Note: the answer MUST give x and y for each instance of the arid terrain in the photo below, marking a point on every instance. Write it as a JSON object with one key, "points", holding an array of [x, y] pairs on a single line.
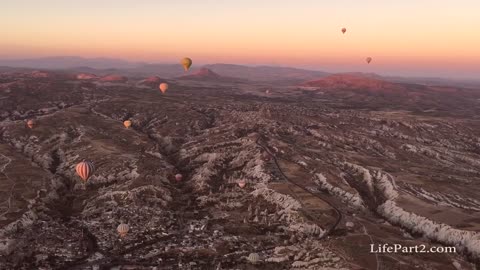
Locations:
{"points": [[332, 166]]}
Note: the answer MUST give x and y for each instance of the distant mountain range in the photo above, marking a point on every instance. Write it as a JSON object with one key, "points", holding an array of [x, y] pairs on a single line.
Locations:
{"points": [[355, 81], [206, 74], [267, 74], [106, 66]]}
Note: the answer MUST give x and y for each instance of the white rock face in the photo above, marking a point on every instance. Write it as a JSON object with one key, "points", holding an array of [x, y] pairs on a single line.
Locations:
{"points": [[349, 198], [284, 201], [465, 240]]}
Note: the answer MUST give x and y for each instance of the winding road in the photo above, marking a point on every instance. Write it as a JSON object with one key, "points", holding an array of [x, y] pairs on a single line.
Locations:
{"points": [[337, 211]]}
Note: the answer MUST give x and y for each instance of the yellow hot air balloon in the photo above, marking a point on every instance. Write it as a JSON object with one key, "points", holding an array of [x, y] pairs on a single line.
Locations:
{"points": [[85, 169], [344, 30], [163, 87], [123, 229], [30, 123], [369, 59], [186, 63], [127, 123]]}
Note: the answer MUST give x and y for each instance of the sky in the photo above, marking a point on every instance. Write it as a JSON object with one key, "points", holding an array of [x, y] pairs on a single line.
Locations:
{"points": [[407, 37]]}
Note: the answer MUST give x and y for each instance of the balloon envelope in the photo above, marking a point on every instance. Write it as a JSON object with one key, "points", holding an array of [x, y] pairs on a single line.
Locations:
{"points": [[163, 87], [369, 59], [253, 258], [178, 177], [85, 169], [123, 229], [186, 63], [242, 183], [344, 30], [127, 123], [30, 123]]}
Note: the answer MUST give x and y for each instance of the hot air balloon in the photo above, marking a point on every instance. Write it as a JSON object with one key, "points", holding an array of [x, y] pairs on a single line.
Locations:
{"points": [[123, 229], [266, 156], [186, 63], [163, 87], [85, 169], [127, 123], [178, 177], [253, 258], [267, 91], [344, 30], [30, 123], [369, 59], [242, 183]]}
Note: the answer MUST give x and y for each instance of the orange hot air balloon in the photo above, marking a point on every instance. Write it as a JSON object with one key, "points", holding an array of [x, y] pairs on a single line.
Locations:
{"points": [[85, 169], [344, 30], [186, 63], [369, 59], [163, 87], [178, 177], [123, 229], [242, 183], [127, 123], [30, 123]]}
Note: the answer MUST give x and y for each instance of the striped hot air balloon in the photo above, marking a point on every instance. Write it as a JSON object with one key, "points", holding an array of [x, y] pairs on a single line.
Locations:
{"points": [[123, 229], [30, 123], [253, 258], [85, 169]]}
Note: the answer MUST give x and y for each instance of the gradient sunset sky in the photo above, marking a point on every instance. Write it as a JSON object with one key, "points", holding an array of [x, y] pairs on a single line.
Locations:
{"points": [[404, 37]]}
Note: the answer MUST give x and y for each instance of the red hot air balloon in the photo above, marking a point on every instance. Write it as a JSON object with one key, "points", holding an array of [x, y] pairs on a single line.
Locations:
{"points": [[163, 87], [178, 177], [85, 169], [242, 183], [30, 123], [344, 30], [369, 59]]}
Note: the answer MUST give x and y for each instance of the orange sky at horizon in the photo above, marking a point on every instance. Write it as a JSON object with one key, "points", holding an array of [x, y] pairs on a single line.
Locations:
{"points": [[412, 35]]}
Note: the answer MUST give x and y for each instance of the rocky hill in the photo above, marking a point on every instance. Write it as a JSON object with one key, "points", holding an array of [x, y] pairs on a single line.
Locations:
{"points": [[292, 180]]}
